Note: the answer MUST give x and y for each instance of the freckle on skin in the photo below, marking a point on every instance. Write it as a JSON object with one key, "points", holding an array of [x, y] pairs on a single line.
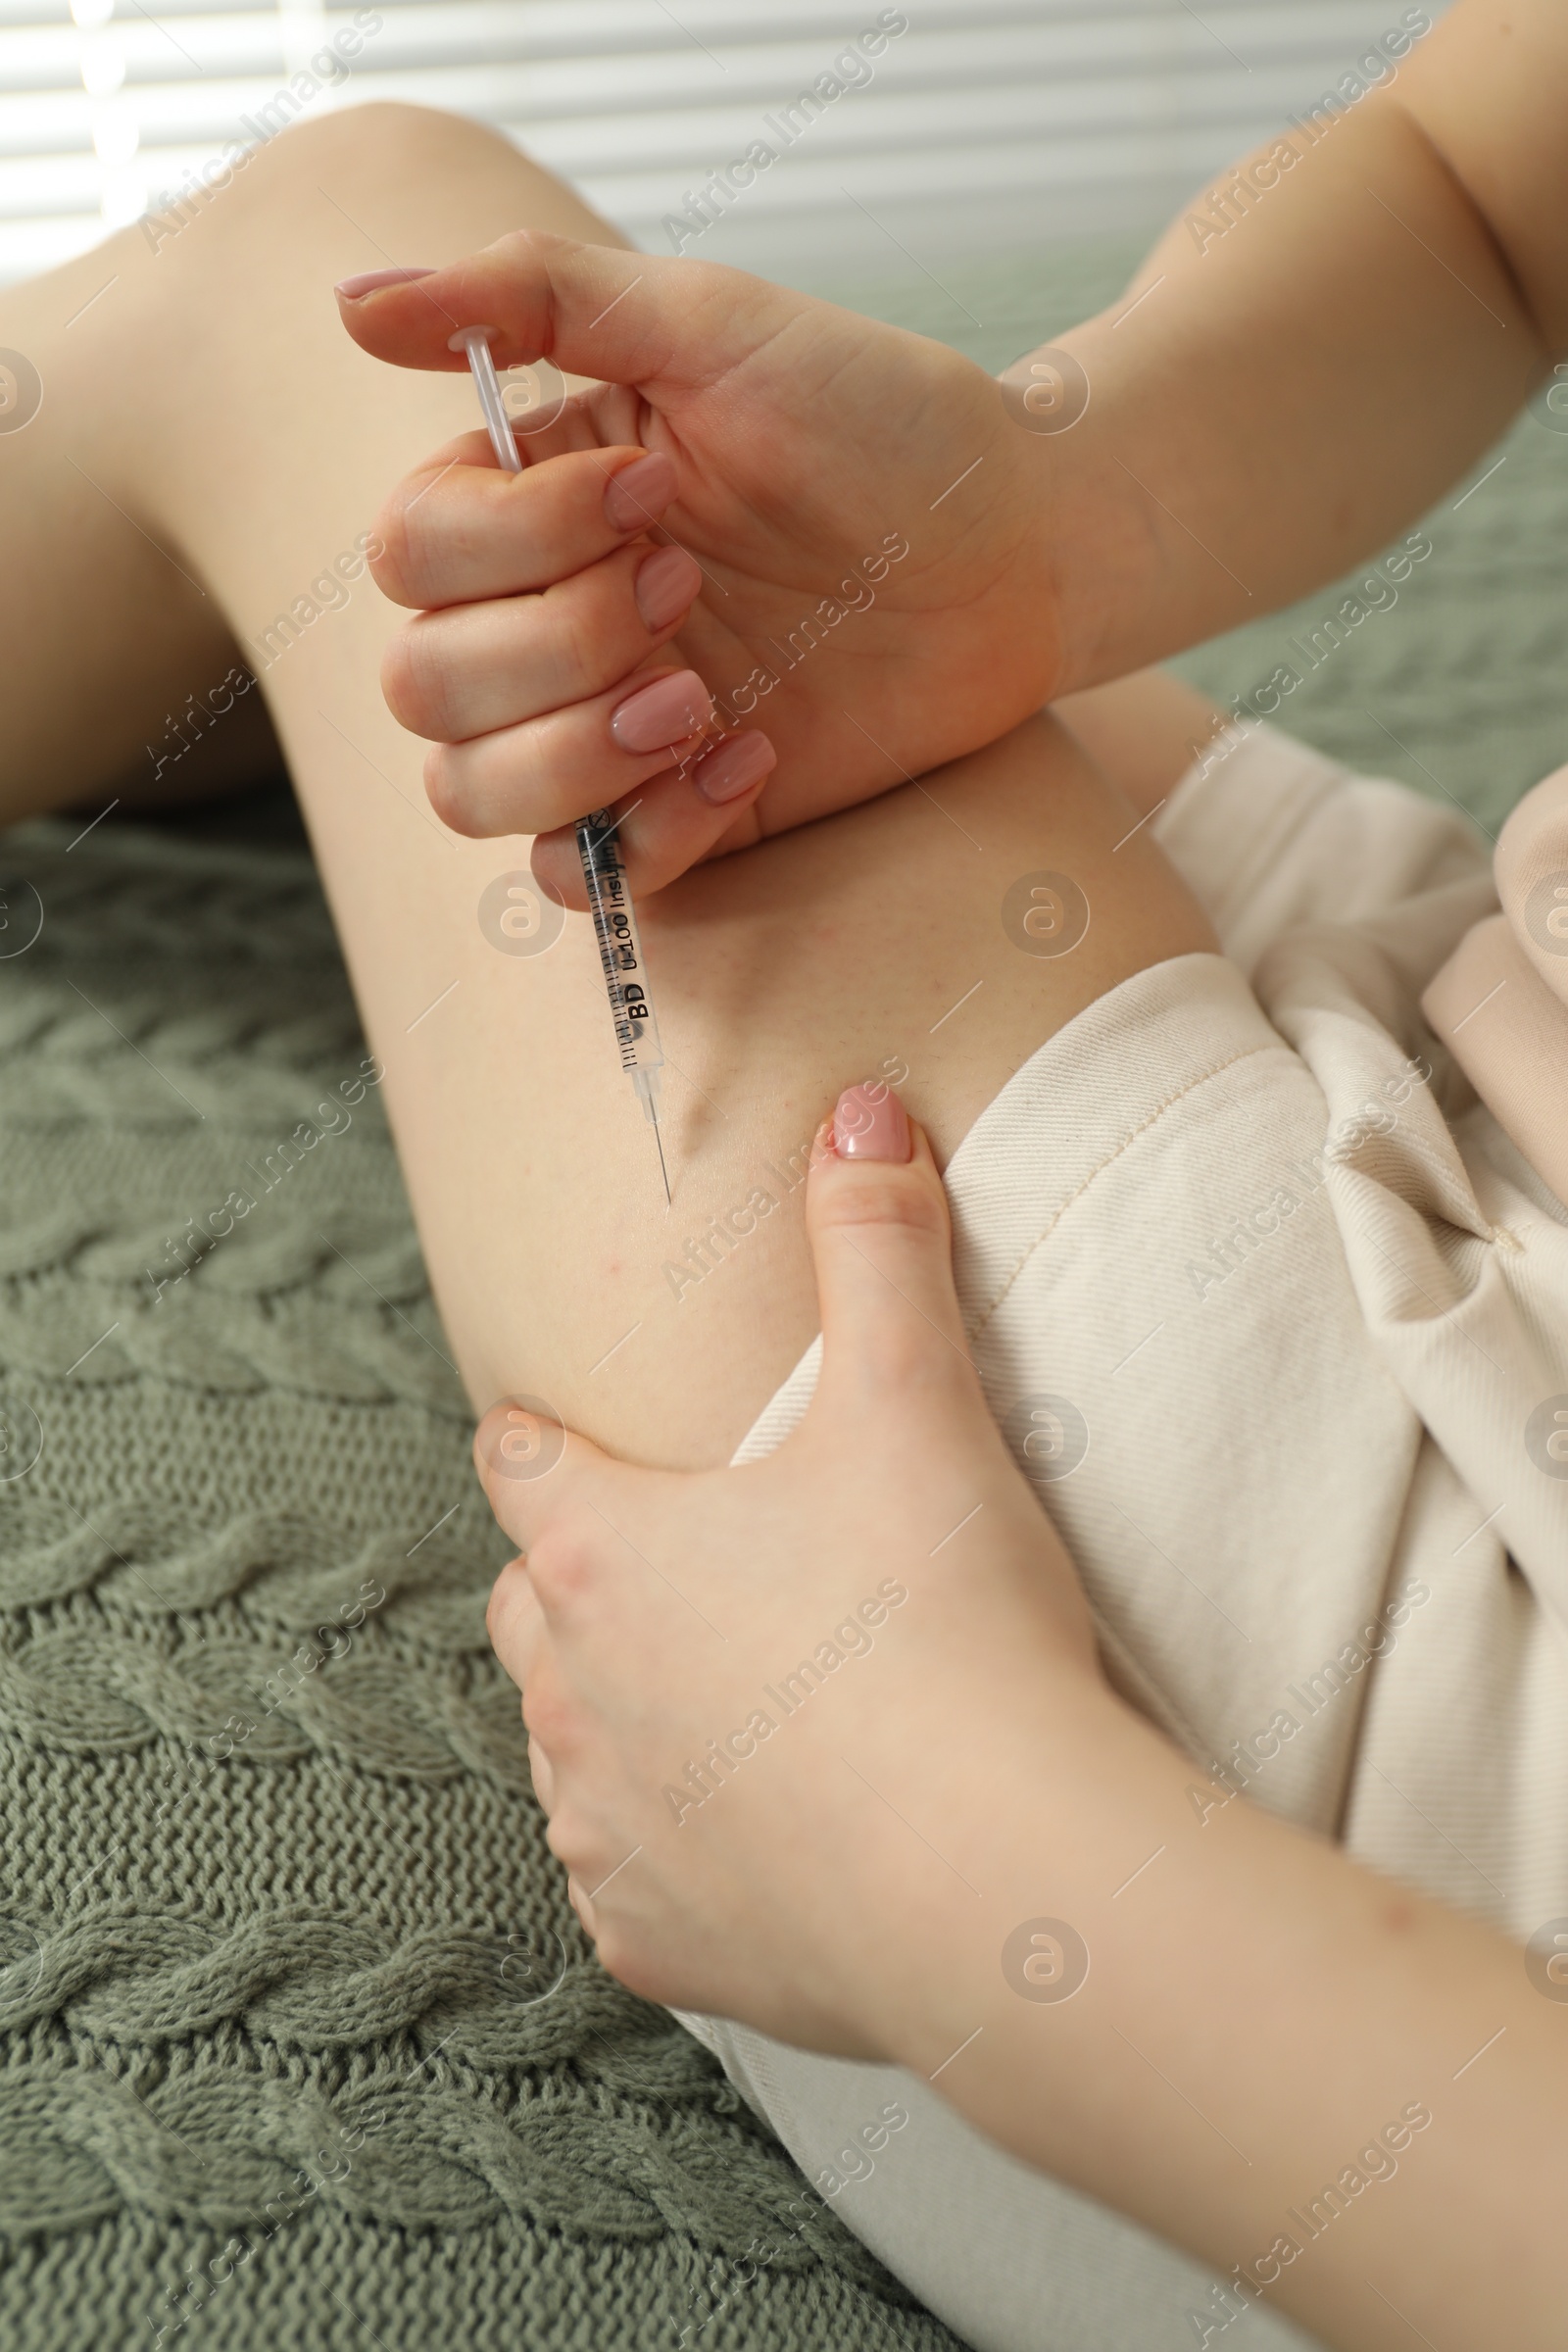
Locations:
{"points": [[1399, 1917]]}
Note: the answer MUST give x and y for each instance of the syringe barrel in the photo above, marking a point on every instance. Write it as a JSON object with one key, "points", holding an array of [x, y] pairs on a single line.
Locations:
{"points": [[620, 948], [475, 342]]}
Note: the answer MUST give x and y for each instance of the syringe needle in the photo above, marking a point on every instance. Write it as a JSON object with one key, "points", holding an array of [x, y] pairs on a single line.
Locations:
{"points": [[620, 950]]}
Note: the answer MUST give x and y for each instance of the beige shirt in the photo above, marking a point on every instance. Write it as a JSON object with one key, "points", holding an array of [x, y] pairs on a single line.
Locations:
{"points": [[1343, 895], [1306, 1308], [1275, 1317]]}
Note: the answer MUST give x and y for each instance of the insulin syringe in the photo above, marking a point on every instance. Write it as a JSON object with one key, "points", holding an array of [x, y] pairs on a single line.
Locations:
{"points": [[603, 872]]}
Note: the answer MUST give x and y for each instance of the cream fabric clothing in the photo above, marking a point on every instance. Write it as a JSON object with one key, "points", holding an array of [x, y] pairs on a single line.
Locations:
{"points": [[1276, 1319]]}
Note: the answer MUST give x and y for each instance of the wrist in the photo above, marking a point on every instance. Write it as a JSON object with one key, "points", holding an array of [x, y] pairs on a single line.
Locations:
{"points": [[1026, 1816], [1095, 527]]}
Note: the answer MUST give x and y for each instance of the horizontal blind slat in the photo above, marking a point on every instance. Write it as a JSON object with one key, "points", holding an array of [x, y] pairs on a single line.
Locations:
{"points": [[636, 107]]}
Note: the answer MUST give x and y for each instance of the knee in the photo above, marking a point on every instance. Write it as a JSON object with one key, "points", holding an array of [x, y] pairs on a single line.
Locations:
{"points": [[384, 144], [325, 190], [444, 180], [288, 145], [319, 188]]}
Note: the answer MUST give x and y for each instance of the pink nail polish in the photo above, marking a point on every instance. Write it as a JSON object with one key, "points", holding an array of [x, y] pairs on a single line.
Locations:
{"points": [[871, 1123], [666, 583], [354, 289], [734, 766], [639, 493], [663, 713]]}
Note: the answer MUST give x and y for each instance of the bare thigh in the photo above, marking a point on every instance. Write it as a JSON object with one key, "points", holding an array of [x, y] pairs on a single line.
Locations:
{"points": [[251, 453]]}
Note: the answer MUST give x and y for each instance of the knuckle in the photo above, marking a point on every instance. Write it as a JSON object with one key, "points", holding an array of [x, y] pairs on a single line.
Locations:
{"points": [[550, 1718], [569, 1840], [396, 569], [443, 788], [562, 1566], [622, 1954], [501, 1606], [615, 1948], [901, 1199], [399, 684], [575, 647], [417, 679]]}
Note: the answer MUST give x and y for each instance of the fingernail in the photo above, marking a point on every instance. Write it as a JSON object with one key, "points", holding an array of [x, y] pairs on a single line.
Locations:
{"points": [[871, 1123], [734, 766], [667, 582], [663, 713], [639, 493], [352, 289]]}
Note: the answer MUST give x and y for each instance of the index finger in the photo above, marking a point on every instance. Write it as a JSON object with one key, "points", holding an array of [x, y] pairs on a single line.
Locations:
{"points": [[457, 529], [593, 310]]}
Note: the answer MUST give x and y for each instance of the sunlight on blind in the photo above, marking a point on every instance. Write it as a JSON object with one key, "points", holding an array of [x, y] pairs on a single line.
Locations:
{"points": [[979, 121]]}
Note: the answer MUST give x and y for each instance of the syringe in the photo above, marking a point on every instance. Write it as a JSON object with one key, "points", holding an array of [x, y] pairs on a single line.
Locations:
{"points": [[603, 872]]}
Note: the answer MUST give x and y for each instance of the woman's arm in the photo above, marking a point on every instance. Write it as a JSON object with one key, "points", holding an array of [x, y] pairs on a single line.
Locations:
{"points": [[1346, 2096], [893, 563], [1335, 330], [960, 1851]]}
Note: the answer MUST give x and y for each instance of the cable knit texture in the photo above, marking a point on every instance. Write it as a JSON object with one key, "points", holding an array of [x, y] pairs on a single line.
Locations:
{"points": [[302, 2046]]}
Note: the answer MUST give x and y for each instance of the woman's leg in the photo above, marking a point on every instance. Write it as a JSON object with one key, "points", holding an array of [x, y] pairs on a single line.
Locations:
{"points": [[191, 389], [209, 446]]}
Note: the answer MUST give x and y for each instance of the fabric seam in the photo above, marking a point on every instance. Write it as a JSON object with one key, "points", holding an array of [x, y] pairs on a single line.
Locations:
{"points": [[1248, 1054]]}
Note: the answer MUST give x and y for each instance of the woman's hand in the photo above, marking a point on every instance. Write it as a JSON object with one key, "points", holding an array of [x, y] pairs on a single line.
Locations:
{"points": [[748, 1692], [824, 1746], [856, 563]]}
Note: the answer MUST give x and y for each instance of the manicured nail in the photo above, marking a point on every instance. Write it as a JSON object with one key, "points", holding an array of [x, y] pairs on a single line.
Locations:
{"points": [[663, 713], [667, 582], [639, 493], [871, 1123], [734, 766], [352, 289]]}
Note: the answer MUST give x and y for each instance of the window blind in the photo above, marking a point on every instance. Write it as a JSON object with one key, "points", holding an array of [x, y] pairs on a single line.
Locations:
{"points": [[968, 123]]}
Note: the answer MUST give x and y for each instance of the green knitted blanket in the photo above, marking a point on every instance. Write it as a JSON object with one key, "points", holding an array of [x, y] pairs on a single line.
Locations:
{"points": [[302, 2045]]}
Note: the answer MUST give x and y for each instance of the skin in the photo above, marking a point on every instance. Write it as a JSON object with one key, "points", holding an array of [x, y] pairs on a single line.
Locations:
{"points": [[759, 400], [828, 952], [526, 1213], [1417, 251], [1259, 2012], [1458, 163]]}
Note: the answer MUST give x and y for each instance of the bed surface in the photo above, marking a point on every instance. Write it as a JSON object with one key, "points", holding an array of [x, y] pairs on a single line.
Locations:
{"points": [[349, 1937]]}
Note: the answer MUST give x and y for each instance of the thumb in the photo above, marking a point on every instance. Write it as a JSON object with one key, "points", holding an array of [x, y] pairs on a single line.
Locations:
{"points": [[593, 310], [882, 1241], [536, 1473]]}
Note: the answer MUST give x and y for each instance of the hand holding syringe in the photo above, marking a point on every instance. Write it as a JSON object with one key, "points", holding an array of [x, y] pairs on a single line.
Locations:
{"points": [[603, 872]]}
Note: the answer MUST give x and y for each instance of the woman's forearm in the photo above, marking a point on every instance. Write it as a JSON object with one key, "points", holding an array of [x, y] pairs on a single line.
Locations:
{"points": [[977, 1862], [1325, 2086], [1326, 339]]}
